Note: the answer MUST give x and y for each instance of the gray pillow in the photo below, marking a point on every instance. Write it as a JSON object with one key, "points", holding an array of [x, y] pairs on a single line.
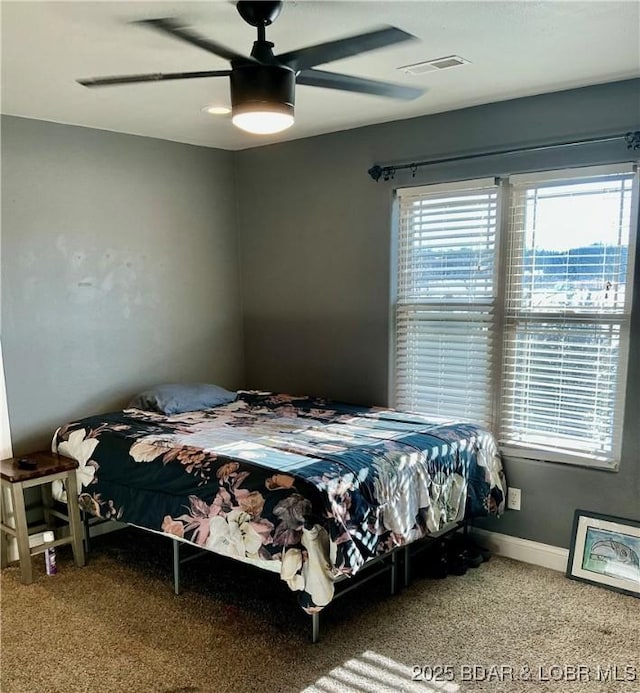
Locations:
{"points": [[178, 398]]}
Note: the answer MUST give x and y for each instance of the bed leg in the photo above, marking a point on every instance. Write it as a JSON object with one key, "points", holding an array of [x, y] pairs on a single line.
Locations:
{"points": [[315, 628], [393, 586], [407, 566], [176, 566], [85, 532]]}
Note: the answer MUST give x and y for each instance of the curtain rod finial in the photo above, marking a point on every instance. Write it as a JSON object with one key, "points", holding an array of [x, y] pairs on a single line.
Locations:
{"points": [[375, 172], [378, 172]]}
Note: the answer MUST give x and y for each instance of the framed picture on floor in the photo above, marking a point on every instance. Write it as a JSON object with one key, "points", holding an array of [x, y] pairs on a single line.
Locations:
{"points": [[605, 551]]}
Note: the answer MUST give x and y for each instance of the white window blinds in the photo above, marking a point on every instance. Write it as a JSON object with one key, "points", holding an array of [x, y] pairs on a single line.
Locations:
{"points": [[445, 299], [567, 315], [534, 343]]}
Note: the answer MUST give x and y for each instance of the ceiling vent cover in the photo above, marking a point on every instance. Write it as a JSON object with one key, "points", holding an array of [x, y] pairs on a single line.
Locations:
{"points": [[435, 64]]}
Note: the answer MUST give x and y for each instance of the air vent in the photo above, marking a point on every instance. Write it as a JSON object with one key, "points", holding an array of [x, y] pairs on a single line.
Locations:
{"points": [[436, 64]]}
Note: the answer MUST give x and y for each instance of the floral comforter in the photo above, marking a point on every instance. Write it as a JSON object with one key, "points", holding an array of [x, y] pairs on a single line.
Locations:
{"points": [[307, 487]]}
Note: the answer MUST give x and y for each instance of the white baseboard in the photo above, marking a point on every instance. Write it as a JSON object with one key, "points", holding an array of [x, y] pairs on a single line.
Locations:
{"points": [[524, 550]]}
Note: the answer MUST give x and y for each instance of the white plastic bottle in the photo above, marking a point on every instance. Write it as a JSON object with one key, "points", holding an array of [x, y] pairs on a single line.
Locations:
{"points": [[50, 554]]}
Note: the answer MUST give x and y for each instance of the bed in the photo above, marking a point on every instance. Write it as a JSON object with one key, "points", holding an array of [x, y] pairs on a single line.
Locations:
{"points": [[312, 489]]}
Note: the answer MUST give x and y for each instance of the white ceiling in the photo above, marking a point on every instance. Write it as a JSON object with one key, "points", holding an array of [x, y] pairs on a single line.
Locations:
{"points": [[516, 48]]}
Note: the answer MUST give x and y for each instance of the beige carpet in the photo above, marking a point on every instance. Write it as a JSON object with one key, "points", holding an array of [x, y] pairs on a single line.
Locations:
{"points": [[116, 626]]}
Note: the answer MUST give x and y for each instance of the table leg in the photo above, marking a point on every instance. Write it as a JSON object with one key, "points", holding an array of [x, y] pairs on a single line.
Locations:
{"points": [[4, 556], [4, 551], [22, 533], [47, 504], [75, 526]]}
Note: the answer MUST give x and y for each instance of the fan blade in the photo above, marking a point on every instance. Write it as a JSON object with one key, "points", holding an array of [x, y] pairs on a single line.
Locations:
{"points": [[311, 56], [155, 77], [173, 27], [331, 80]]}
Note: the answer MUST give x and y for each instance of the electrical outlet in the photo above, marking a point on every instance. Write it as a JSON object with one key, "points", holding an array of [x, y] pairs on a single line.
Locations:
{"points": [[513, 498]]}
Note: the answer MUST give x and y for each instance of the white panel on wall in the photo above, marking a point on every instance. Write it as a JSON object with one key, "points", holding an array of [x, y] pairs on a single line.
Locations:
{"points": [[6, 451], [5, 433]]}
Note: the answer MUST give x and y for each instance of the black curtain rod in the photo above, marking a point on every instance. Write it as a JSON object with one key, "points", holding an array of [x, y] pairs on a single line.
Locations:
{"points": [[388, 172]]}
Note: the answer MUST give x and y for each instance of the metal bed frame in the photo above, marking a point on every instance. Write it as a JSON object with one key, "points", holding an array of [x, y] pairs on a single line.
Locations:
{"points": [[387, 563]]}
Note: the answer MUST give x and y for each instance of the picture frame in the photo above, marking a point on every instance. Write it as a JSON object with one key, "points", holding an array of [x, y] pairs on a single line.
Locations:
{"points": [[605, 551]]}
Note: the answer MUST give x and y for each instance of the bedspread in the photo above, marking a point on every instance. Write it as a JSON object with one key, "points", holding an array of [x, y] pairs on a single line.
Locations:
{"points": [[308, 487]]}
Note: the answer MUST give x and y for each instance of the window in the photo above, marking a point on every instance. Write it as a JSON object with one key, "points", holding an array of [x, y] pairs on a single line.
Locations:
{"points": [[527, 335], [446, 298]]}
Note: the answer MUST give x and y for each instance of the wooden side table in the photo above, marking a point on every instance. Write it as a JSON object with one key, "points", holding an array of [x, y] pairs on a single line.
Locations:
{"points": [[49, 467]]}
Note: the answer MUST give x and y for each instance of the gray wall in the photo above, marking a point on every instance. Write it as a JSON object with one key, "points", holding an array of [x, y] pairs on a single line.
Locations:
{"points": [[315, 236], [119, 270]]}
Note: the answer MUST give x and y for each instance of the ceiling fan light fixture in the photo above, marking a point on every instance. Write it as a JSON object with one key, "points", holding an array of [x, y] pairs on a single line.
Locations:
{"points": [[262, 121], [262, 98]]}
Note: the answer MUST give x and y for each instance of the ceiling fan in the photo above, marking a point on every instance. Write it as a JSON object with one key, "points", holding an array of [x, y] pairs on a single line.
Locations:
{"points": [[263, 84]]}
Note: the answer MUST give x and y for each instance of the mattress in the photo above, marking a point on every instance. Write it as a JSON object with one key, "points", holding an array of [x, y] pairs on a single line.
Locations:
{"points": [[305, 486]]}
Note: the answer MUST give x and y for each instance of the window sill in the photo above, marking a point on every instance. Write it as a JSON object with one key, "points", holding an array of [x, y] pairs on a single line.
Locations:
{"points": [[555, 457]]}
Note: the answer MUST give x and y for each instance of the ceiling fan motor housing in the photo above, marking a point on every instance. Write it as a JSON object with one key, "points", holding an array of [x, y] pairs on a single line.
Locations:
{"points": [[262, 87]]}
